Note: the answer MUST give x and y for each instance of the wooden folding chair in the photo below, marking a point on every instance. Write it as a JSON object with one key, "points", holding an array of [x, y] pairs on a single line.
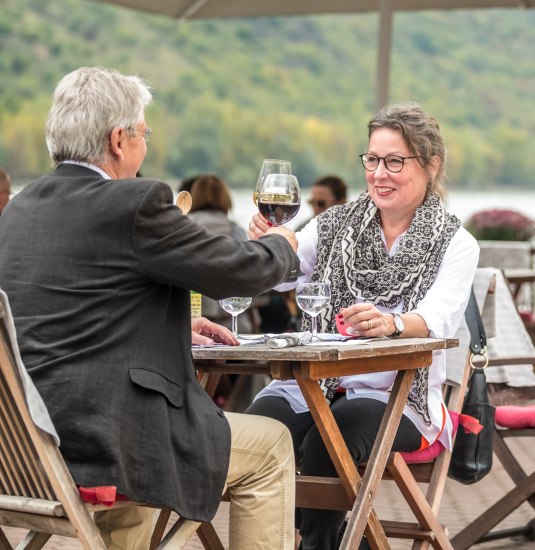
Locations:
{"points": [[424, 505], [37, 492], [511, 351], [480, 529]]}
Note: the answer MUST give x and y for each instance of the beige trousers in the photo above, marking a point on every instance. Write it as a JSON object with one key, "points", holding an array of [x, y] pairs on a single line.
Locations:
{"points": [[261, 480]]}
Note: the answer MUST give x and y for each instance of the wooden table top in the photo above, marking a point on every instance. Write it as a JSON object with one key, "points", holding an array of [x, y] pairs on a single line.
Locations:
{"points": [[332, 351], [321, 361]]}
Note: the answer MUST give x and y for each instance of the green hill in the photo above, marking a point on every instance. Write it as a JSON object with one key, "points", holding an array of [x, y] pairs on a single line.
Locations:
{"points": [[229, 93]]}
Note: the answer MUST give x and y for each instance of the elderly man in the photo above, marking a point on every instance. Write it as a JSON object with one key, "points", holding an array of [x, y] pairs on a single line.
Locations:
{"points": [[5, 189], [99, 276]]}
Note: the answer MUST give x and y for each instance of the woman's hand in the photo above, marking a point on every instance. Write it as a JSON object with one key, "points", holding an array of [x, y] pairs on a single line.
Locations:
{"points": [[259, 226], [206, 333], [366, 320]]}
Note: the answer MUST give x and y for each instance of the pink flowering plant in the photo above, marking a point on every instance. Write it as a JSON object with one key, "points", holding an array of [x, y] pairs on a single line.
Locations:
{"points": [[501, 225]]}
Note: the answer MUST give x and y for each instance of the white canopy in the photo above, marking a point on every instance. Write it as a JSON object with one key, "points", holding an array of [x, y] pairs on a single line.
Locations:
{"points": [[204, 9]]}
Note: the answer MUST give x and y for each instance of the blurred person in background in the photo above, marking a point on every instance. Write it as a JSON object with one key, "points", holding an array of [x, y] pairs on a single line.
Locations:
{"points": [[210, 206], [326, 191], [186, 184], [211, 203], [5, 189]]}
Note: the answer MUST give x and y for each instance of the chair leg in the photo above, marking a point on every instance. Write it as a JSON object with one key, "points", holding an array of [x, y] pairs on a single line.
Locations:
{"points": [[209, 538], [159, 528], [418, 503], [179, 534], [510, 463], [34, 541], [527, 531], [496, 513], [4, 543]]}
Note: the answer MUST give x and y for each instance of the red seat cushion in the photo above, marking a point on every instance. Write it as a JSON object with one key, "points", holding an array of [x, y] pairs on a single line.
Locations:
{"points": [[428, 454], [103, 494], [515, 417]]}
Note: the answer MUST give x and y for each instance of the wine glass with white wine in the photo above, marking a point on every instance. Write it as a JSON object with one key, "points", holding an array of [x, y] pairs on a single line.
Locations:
{"points": [[270, 166], [235, 305], [279, 198], [313, 298]]}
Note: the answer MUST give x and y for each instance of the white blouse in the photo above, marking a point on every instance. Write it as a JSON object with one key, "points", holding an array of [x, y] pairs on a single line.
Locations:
{"points": [[442, 310]]}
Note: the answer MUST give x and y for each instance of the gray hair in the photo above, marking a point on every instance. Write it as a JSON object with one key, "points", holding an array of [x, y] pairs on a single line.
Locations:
{"points": [[422, 135], [87, 105]]}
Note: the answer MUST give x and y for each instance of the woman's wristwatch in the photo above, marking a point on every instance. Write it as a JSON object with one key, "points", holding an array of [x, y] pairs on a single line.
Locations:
{"points": [[399, 324]]}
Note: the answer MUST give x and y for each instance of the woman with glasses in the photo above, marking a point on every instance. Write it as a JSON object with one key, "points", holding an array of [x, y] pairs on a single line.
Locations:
{"points": [[399, 266]]}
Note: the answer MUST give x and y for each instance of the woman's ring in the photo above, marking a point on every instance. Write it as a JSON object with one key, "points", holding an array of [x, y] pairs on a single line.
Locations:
{"points": [[370, 324]]}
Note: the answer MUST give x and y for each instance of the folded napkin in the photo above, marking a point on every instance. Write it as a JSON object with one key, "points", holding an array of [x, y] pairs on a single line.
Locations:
{"points": [[289, 340]]}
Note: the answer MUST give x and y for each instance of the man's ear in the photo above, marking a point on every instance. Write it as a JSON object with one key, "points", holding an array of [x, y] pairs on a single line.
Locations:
{"points": [[116, 143]]}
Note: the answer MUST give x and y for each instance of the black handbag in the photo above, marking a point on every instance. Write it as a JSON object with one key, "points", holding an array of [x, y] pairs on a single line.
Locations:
{"points": [[471, 458]]}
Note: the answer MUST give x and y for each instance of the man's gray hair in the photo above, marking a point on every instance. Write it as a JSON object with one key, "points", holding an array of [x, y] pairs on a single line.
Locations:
{"points": [[87, 105]]}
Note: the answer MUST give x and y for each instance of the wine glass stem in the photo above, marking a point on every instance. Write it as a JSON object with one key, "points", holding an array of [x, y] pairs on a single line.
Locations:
{"points": [[235, 325], [314, 326]]}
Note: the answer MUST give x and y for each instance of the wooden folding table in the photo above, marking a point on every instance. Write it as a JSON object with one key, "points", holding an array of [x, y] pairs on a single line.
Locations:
{"points": [[307, 365]]}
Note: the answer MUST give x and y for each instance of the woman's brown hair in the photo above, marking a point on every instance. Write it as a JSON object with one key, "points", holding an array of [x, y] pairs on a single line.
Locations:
{"points": [[210, 192]]}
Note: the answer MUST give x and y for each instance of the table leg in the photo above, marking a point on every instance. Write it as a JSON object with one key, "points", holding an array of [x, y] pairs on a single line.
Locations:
{"points": [[209, 382], [339, 453], [362, 506]]}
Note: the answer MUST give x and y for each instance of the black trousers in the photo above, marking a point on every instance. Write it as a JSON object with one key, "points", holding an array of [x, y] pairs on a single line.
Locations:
{"points": [[358, 420]]}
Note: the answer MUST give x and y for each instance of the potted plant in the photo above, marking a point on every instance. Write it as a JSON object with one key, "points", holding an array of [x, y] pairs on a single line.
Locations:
{"points": [[492, 228], [501, 225]]}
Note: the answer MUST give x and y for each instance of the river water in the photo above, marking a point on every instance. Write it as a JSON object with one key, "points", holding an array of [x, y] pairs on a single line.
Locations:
{"points": [[461, 203]]}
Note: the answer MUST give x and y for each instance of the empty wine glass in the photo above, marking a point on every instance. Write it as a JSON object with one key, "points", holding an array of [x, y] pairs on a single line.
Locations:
{"points": [[270, 166], [235, 306], [313, 298], [279, 198]]}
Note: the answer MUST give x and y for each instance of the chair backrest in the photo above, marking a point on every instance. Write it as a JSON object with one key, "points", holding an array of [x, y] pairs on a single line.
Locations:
{"points": [[511, 360], [484, 288], [511, 352], [35, 484]]}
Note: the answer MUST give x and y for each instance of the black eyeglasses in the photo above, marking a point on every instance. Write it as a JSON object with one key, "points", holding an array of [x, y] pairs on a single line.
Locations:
{"points": [[393, 163]]}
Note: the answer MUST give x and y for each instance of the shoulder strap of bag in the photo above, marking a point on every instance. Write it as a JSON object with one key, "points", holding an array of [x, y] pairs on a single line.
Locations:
{"points": [[471, 458], [478, 338]]}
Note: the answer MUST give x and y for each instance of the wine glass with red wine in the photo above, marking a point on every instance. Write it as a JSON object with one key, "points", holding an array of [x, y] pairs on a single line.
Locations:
{"points": [[279, 198]]}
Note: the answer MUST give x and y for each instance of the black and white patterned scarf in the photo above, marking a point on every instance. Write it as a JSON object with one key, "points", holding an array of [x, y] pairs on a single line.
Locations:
{"points": [[352, 256]]}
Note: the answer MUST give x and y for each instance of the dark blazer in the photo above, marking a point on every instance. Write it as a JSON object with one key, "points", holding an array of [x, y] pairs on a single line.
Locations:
{"points": [[98, 274]]}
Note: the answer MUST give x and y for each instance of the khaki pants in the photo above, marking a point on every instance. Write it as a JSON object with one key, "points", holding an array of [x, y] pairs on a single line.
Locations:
{"points": [[261, 479]]}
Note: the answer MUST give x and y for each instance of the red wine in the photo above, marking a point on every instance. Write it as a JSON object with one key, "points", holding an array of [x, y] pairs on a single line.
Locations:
{"points": [[278, 213]]}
